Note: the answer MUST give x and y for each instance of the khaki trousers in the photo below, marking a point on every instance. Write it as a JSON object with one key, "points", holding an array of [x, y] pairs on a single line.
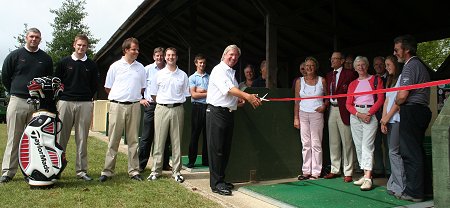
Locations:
{"points": [[341, 144], [76, 114], [18, 114], [168, 121], [123, 117]]}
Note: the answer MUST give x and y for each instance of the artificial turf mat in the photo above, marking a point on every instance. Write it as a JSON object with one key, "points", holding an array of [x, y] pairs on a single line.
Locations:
{"points": [[198, 167], [326, 193]]}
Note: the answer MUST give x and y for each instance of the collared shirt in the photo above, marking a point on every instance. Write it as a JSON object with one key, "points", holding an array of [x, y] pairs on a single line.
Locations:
{"points": [[29, 50], [414, 72], [199, 81], [150, 72], [170, 87], [222, 79], [125, 81], [333, 100], [76, 59]]}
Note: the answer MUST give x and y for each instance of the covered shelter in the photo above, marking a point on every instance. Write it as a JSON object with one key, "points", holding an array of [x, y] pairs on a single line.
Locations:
{"points": [[283, 33]]}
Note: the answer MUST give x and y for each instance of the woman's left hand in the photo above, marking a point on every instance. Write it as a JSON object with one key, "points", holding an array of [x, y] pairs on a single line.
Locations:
{"points": [[321, 109]]}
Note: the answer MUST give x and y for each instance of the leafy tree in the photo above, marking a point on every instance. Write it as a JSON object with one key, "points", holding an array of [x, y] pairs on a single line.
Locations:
{"points": [[21, 37], [2, 88], [434, 52], [67, 24]]}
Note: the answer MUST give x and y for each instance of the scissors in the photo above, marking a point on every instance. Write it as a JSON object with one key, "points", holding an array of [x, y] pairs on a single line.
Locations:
{"points": [[263, 97]]}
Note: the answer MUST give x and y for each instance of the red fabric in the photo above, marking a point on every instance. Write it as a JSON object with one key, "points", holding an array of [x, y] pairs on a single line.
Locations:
{"points": [[380, 96], [345, 77]]}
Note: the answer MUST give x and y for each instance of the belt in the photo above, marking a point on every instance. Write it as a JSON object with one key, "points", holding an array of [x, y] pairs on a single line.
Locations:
{"points": [[171, 105], [125, 103], [197, 103], [334, 105], [221, 108], [363, 106]]}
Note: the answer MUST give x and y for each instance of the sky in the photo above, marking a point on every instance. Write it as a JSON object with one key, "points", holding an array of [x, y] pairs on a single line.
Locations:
{"points": [[104, 18]]}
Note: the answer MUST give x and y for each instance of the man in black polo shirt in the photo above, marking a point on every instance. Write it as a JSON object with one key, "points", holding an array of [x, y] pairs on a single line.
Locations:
{"points": [[19, 68], [414, 116], [79, 75]]}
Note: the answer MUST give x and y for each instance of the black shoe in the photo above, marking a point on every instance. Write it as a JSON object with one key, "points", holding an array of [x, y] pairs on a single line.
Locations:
{"points": [[5, 179], [85, 177], [205, 163], [190, 165], [136, 177], [222, 191], [229, 185], [103, 178]]}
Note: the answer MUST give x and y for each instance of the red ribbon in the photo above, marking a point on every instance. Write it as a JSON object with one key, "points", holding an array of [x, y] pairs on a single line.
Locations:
{"points": [[409, 87]]}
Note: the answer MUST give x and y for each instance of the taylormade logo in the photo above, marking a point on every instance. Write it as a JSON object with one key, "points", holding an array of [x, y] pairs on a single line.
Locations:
{"points": [[41, 153]]}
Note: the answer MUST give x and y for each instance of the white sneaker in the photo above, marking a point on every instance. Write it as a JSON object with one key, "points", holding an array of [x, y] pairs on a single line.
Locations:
{"points": [[359, 182], [152, 177], [367, 185], [179, 178]]}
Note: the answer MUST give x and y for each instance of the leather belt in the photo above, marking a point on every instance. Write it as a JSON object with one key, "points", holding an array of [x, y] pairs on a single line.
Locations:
{"points": [[221, 108], [363, 106], [125, 103], [171, 105], [197, 103]]}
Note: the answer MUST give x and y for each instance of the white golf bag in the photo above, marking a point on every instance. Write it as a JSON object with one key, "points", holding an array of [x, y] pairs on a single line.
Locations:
{"points": [[41, 158]]}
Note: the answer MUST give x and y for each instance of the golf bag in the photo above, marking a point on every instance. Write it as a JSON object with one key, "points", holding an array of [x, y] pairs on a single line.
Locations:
{"points": [[41, 158]]}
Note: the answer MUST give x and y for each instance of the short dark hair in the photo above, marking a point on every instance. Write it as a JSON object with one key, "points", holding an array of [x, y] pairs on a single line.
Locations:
{"points": [[172, 49], [408, 43], [127, 43], [199, 57], [81, 37]]}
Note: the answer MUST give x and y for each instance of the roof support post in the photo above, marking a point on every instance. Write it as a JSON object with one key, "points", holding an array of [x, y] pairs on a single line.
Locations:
{"points": [[271, 51]]}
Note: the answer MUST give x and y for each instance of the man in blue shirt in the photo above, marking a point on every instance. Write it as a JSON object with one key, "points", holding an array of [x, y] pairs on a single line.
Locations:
{"points": [[198, 86]]}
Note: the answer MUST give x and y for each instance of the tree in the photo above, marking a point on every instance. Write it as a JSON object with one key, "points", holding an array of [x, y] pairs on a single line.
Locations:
{"points": [[434, 52], [67, 24], [21, 37]]}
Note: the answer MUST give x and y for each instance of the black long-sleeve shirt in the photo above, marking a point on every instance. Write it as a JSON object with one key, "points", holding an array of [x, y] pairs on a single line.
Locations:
{"points": [[21, 66], [80, 79]]}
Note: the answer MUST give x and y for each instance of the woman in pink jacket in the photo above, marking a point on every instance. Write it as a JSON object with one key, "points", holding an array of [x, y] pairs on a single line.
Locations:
{"points": [[363, 122]]}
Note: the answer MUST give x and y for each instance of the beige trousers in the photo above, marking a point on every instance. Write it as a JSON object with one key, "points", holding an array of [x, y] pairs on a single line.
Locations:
{"points": [[168, 121], [18, 114], [341, 144], [123, 117], [76, 114]]}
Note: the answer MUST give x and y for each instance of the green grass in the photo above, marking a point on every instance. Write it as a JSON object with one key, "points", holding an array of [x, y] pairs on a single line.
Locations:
{"points": [[120, 191]]}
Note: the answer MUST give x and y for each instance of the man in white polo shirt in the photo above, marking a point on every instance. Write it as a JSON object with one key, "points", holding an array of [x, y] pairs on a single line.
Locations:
{"points": [[222, 98], [170, 89], [125, 83]]}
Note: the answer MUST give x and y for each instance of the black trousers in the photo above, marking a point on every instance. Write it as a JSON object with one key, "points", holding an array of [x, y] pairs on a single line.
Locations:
{"points": [[147, 137], [198, 125], [414, 120], [219, 131]]}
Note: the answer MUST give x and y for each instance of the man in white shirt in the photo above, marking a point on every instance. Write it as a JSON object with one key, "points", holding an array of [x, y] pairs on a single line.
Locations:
{"points": [[222, 98], [125, 83], [148, 130], [169, 88]]}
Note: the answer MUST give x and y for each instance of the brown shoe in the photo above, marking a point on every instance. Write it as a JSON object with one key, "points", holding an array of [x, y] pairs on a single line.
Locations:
{"points": [[330, 176], [348, 179]]}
